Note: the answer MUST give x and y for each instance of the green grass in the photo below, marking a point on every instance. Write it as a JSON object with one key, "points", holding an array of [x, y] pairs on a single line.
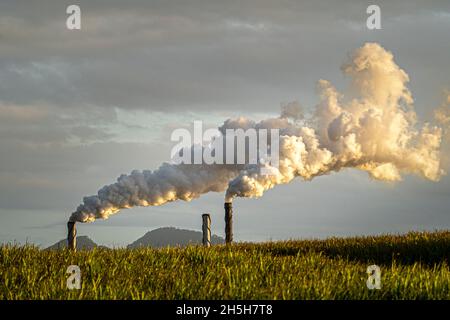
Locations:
{"points": [[413, 266]]}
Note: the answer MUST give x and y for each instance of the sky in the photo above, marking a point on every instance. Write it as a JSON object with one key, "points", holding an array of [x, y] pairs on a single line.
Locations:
{"points": [[78, 108]]}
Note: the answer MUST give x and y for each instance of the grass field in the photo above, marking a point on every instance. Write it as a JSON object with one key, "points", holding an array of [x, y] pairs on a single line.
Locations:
{"points": [[413, 266]]}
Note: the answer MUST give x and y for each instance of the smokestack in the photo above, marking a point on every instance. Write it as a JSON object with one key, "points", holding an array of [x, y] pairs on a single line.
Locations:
{"points": [[71, 235], [206, 228], [228, 222]]}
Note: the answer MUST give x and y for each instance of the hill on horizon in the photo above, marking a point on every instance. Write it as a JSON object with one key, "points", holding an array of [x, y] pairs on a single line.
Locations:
{"points": [[157, 238], [83, 242], [170, 236]]}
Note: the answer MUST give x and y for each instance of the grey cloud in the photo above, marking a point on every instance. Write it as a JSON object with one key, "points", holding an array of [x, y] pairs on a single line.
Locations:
{"points": [[58, 176], [156, 55]]}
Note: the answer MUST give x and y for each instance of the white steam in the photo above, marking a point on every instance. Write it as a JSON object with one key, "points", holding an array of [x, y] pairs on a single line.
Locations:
{"points": [[374, 129]]}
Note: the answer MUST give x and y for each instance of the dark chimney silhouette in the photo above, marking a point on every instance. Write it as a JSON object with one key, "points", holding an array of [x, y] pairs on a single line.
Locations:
{"points": [[228, 222], [71, 235]]}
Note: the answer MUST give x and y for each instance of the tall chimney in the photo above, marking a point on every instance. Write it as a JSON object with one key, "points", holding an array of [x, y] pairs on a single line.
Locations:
{"points": [[228, 222], [206, 228], [71, 235]]}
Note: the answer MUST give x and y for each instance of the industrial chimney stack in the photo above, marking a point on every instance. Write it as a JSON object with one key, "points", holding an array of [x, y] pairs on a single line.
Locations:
{"points": [[71, 235], [228, 222], [206, 228]]}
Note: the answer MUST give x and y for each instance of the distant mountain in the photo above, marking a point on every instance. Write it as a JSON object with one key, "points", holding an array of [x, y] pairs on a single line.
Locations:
{"points": [[83, 242], [157, 238], [170, 236]]}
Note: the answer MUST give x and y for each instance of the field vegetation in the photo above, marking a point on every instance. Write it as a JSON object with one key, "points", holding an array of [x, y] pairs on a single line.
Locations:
{"points": [[413, 266]]}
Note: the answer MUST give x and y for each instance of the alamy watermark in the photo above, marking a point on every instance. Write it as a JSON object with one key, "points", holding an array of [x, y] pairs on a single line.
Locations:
{"points": [[374, 279], [232, 147], [374, 20], [74, 279], [73, 21]]}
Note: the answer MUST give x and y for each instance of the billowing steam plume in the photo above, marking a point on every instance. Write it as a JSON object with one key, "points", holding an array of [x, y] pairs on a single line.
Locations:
{"points": [[374, 129]]}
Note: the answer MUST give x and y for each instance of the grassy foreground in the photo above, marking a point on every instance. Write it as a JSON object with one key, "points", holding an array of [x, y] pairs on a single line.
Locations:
{"points": [[413, 266]]}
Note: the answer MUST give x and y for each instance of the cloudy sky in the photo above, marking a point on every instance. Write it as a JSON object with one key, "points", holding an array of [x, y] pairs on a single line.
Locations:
{"points": [[80, 107]]}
